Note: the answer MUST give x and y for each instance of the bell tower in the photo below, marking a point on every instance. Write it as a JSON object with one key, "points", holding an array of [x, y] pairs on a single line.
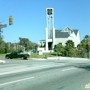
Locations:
{"points": [[50, 30]]}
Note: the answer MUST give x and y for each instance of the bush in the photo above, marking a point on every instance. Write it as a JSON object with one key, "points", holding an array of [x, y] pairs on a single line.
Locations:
{"points": [[45, 56]]}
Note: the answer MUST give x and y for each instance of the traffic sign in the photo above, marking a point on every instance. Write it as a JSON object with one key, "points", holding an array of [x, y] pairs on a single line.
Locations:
{"points": [[3, 26]]}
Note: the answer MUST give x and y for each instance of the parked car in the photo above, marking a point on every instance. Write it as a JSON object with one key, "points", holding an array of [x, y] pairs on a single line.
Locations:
{"points": [[17, 55]]}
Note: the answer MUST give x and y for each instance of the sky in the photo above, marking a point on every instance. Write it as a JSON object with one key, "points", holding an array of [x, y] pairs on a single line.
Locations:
{"points": [[29, 17]]}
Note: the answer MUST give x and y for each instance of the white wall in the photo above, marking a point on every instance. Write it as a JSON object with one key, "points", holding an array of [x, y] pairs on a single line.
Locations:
{"points": [[75, 38], [78, 38], [60, 40]]}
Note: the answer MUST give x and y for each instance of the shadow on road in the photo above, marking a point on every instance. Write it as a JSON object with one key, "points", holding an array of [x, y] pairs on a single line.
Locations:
{"points": [[60, 62], [86, 67]]}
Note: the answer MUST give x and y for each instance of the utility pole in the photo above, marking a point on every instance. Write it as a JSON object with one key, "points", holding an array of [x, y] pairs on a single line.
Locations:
{"points": [[8, 43], [2, 26], [89, 47], [15, 45], [0, 33], [5, 25]]}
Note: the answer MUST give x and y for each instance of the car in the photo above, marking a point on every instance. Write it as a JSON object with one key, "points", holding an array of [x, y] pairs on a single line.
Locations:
{"points": [[16, 55]]}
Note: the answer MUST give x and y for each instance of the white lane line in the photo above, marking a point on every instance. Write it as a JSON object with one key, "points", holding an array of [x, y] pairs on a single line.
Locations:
{"points": [[68, 69], [21, 70], [30, 68], [4, 65], [16, 81]]}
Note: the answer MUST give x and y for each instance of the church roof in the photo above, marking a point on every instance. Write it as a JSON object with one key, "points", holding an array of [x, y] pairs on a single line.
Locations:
{"points": [[65, 33], [59, 34]]}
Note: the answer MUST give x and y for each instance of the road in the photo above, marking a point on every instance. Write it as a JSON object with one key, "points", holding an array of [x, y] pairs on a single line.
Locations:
{"points": [[44, 75]]}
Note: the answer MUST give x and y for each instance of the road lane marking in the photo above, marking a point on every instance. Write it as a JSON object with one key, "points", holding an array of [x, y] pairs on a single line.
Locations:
{"points": [[21, 70], [68, 69], [16, 81], [9, 65], [30, 68]]}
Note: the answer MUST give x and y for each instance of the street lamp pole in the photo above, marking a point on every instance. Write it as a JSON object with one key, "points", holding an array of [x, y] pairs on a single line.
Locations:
{"points": [[89, 47], [15, 44]]}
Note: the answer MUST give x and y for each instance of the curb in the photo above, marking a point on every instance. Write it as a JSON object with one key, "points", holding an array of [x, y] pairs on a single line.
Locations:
{"points": [[66, 58], [37, 59]]}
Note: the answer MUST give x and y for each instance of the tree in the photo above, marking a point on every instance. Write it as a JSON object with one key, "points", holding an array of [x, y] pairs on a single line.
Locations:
{"points": [[84, 46], [27, 44], [79, 46], [69, 47], [69, 44], [24, 42], [2, 45], [59, 49], [86, 37]]}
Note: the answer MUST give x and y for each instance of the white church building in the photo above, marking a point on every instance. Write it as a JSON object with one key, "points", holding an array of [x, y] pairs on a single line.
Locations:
{"points": [[54, 36]]}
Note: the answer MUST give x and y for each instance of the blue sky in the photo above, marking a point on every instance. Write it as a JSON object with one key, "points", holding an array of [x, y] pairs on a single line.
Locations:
{"points": [[29, 17]]}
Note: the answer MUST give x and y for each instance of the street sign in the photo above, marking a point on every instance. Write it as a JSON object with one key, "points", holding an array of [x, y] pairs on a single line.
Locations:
{"points": [[3, 26]]}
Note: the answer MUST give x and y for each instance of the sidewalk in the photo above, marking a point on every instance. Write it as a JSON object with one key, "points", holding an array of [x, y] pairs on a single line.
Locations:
{"points": [[59, 58], [37, 59]]}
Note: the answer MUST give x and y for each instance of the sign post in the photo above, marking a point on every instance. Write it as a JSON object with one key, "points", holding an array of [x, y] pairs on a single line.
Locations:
{"points": [[2, 26], [89, 46]]}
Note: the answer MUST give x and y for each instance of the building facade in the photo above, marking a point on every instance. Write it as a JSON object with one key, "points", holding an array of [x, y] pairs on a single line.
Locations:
{"points": [[62, 36], [53, 36]]}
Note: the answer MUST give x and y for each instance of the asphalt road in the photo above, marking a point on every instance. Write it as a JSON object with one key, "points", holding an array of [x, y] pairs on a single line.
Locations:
{"points": [[44, 75]]}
